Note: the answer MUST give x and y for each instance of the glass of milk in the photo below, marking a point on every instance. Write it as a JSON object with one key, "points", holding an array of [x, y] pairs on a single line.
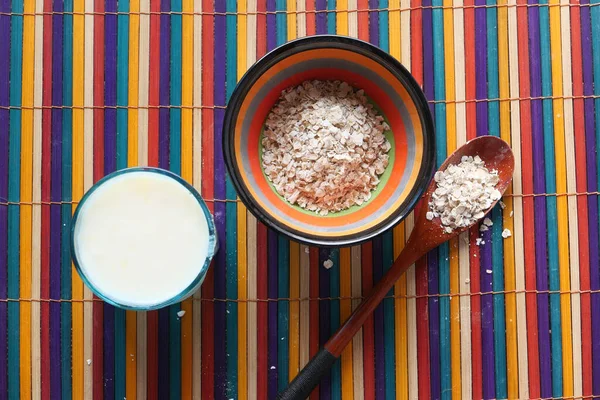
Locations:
{"points": [[142, 239]]}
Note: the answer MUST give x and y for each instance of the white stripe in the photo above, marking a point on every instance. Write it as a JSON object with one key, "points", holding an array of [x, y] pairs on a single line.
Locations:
{"points": [[357, 340], [352, 19], [36, 198]]}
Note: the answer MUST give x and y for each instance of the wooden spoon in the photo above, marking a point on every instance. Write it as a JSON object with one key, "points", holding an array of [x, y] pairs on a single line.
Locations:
{"points": [[425, 236]]}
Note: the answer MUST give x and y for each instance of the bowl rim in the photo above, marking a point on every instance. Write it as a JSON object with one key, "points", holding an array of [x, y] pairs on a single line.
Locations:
{"points": [[374, 53], [211, 251]]}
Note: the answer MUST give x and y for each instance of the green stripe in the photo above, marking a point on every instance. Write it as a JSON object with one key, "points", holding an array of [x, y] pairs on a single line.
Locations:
{"points": [[388, 253], [66, 210], [497, 240], [283, 253], [121, 162], [231, 222], [334, 313], [443, 251], [14, 178], [175, 166]]}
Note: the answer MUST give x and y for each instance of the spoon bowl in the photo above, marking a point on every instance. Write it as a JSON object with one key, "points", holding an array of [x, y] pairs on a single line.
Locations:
{"points": [[426, 235]]}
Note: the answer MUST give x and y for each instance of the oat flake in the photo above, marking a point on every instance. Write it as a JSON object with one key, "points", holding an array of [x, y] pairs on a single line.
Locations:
{"points": [[324, 147], [463, 194]]}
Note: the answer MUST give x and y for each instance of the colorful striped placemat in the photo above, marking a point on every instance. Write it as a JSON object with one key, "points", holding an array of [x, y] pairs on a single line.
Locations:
{"points": [[88, 87]]}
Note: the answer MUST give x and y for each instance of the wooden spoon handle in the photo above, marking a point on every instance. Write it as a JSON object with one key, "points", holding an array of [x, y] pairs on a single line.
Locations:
{"points": [[311, 374]]}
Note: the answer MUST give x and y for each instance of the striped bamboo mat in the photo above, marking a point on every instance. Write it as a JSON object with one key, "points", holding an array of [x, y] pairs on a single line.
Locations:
{"points": [[87, 87]]}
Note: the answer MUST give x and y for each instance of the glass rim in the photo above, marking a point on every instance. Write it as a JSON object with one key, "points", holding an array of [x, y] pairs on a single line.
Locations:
{"points": [[212, 240]]}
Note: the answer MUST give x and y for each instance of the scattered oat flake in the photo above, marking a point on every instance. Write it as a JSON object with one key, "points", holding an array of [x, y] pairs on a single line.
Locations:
{"points": [[324, 147], [488, 271], [464, 192], [89, 361], [483, 228], [512, 213], [467, 281], [488, 222], [328, 264], [306, 250], [502, 205], [272, 367], [479, 241], [180, 313], [506, 233]]}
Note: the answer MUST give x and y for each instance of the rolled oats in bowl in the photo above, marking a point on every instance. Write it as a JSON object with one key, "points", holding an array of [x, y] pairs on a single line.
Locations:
{"points": [[324, 146]]}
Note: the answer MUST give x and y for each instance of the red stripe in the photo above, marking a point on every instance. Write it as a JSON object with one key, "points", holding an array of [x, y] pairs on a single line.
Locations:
{"points": [[154, 78], [208, 319], [262, 293], [368, 333], [476, 350], [153, 146], [261, 28], [528, 209], [262, 321], [363, 20], [314, 309], [582, 210], [45, 195], [416, 38], [98, 173], [310, 17]]}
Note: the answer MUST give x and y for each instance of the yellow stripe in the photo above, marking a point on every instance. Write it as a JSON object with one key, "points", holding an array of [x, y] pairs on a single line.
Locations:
{"points": [[26, 194], [132, 160], [512, 368], [561, 202], [77, 170], [291, 19], [187, 86], [572, 201], [400, 327], [394, 33], [345, 310], [451, 146], [341, 18], [242, 231]]}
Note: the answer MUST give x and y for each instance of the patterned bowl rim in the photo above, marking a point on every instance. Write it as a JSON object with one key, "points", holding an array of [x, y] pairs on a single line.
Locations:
{"points": [[349, 44]]}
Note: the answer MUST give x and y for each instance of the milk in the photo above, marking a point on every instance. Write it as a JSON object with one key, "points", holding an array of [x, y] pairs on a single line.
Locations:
{"points": [[142, 239]]}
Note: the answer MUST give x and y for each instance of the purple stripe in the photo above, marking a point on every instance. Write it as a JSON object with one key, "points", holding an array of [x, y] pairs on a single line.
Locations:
{"points": [[220, 271], [486, 281], [55, 195], [110, 152], [432, 261], [272, 248], [4, 122], [487, 317], [374, 22], [539, 186], [378, 325], [163, 162], [321, 17], [592, 186], [272, 375], [324, 319]]}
